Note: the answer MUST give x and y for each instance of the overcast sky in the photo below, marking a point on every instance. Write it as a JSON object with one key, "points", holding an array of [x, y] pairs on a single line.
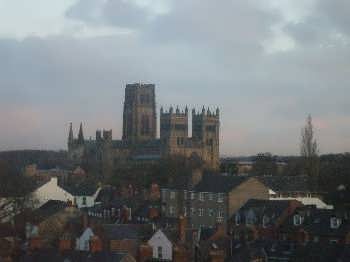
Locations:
{"points": [[266, 64]]}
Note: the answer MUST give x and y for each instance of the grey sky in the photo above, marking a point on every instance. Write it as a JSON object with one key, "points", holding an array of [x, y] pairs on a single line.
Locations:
{"points": [[266, 64]]}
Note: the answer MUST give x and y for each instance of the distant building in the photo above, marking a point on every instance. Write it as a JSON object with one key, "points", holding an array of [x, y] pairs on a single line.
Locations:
{"points": [[140, 143]]}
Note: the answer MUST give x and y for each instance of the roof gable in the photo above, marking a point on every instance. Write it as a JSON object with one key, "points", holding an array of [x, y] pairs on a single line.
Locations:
{"points": [[160, 237]]}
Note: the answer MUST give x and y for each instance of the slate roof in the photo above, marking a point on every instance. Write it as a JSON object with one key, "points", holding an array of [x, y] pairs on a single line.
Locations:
{"points": [[317, 222], [272, 209], [286, 183], [127, 231], [218, 183], [48, 209], [81, 189], [317, 252]]}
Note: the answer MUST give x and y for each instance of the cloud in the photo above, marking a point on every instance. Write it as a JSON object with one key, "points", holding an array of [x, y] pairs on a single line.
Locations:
{"points": [[267, 65]]}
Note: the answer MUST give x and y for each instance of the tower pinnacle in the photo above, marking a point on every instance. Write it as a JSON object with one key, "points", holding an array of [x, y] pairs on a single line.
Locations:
{"points": [[81, 135]]}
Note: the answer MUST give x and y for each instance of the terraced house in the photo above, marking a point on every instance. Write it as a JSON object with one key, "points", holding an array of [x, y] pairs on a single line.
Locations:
{"points": [[212, 200]]}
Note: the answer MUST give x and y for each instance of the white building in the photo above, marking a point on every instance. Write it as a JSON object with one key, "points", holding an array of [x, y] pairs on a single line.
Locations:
{"points": [[83, 242], [161, 245], [79, 195]]}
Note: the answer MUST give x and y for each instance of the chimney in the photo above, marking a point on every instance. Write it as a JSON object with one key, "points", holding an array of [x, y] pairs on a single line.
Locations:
{"points": [[129, 217], [65, 244], [145, 253], [95, 244], [153, 212], [182, 229]]}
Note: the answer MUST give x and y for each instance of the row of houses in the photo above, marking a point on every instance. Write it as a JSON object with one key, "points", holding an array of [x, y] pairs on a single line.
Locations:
{"points": [[214, 199], [199, 218]]}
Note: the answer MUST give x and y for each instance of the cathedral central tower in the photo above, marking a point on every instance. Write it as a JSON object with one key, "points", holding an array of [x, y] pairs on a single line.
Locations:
{"points": [[139, 116]]}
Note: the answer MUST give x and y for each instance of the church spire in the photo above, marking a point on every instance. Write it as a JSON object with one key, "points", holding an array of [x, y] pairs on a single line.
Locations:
{"points": [[81, 135], [70, 135]]}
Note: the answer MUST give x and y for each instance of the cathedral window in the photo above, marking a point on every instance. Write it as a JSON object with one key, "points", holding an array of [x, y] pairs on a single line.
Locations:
{"points": [[145, 126]]}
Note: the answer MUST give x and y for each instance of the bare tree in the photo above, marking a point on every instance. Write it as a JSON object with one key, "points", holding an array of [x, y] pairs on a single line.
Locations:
{"points": [[309, 152]]}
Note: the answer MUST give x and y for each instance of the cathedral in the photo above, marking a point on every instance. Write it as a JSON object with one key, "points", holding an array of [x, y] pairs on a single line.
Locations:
{"points": [[140, 143]]}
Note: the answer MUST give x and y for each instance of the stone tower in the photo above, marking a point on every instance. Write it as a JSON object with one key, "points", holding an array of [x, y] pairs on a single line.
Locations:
{"points": [[173, 130], [205, 129], [139, 116]]}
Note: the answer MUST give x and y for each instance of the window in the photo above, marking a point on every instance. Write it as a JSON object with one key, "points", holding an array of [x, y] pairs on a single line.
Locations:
{"points": [[238, 219], [250, 217], [316, 239], [192, 196], [220, 197], [297, 219], [335, 222], [220, 217], [171, 210], [86, 245], [84, 201], [193, 211], [180, 140], [185, 211], [172, 194], [201, 196], [185, 195], [163, 193], [220, 214], [211, 212], [210, 196], [145, 126], [265, 221], [200, 212], [160, 252]]}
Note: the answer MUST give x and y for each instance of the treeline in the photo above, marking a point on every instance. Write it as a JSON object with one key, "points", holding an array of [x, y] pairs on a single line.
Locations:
{"points": [[333, 169], [43, 159]]}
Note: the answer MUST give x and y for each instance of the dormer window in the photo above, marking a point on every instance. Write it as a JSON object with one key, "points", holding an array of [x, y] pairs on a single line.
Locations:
{"points": [[335, 222], [250, 217], [265, 221], [298, 220], [238, 219]]}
